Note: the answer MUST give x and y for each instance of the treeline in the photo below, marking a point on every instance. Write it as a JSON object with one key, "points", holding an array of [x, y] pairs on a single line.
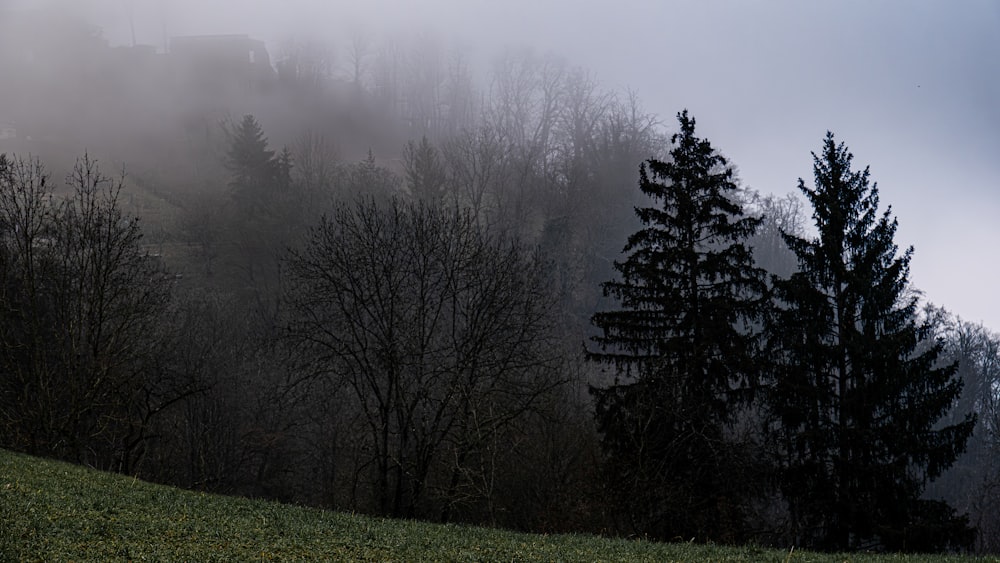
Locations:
{"points": [[403, 336], [823, 387]]}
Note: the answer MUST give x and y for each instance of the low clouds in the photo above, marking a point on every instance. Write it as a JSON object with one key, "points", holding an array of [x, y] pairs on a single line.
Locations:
{"points": [[911, 87]]}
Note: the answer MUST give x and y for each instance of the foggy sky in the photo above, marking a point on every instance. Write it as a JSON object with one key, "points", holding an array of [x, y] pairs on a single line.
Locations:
{"points": [[912, 87]]}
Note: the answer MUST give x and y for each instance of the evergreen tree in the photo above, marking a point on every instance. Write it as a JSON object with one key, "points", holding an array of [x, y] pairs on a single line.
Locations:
{"points": [[369, 179], [681, 347], [253, 166], [858, 393], [426, 175], [268, 215]]}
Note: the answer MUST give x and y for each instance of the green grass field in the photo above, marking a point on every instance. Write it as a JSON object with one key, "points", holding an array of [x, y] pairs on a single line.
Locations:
{"points": [[51, 511]]}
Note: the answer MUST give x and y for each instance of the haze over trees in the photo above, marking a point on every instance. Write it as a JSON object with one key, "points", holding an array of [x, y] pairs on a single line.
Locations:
{"points": [[366, 289]]}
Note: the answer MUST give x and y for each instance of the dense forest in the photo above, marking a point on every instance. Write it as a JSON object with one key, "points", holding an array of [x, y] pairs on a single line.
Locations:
{"points": [[398, 288]]}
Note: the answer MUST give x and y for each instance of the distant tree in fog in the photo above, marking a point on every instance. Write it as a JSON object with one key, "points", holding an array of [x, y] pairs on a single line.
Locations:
{"points": [[779, 217], [359, 54], [426, 175], [972, 485], [316, 164], [250, 162], [267, 205], [306, 65], [368, 178]]}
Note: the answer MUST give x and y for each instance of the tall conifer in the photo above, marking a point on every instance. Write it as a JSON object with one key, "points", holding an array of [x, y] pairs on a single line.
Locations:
{"points": [[680, 346], [253, 165], [858, 393]]}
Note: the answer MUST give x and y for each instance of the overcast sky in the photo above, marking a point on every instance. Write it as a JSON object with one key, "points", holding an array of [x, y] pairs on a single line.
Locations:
{"points": [[912, 87]]}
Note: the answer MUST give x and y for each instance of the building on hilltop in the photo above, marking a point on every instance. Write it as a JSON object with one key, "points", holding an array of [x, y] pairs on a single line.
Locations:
{"points": [[222, 64]]}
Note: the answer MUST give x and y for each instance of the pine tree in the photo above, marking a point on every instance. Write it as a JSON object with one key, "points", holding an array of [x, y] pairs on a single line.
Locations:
{"points": [[426, 175], [253, 166], [267, 208], [857, 391], [681, 347]]}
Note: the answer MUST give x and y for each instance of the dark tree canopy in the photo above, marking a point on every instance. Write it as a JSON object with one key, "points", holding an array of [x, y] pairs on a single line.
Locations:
{"points": [[680, 344], [426, 176], [858, 389], [260, 180], [249, 159], [268, 205], [412, 354]]}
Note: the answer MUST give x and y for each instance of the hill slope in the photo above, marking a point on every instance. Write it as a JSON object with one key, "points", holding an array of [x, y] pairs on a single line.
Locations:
{"points": [[55, 511]]}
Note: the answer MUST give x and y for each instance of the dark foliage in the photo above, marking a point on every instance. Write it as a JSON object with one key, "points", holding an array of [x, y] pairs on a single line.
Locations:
{"points": [[680, 345], [428, 376], [858, 393]]}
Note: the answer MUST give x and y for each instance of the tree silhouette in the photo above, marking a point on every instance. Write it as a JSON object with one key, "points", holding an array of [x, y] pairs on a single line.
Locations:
{"points": [[442, 332], [252, 165], [81, 304], [858, 392], [679, 343]]}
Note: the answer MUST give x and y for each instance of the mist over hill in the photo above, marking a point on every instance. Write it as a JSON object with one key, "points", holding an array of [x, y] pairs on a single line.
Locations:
{"points": [[345, 254]]}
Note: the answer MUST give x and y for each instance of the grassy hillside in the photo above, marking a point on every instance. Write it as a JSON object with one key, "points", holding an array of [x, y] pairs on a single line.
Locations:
{"points": [[54, 511]]}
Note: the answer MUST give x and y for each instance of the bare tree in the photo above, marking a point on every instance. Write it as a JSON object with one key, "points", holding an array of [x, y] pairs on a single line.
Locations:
{"points": [[526, 101], [460, 95], [358, 56], [442, 332], [81, 302], [525, 97], [387, 79], [478, 164], [424, 79], [577, 130], [316, 169], [972, 485], [779, 215]]}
